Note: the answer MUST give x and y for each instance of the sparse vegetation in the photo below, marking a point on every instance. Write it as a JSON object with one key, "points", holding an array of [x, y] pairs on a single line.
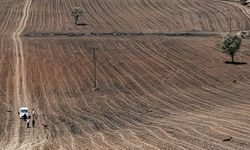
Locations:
{"points": [[231, 44], [76, 13]]}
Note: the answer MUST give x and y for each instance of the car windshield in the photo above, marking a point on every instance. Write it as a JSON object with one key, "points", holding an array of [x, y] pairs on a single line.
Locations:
{"points": [[24, 111]]}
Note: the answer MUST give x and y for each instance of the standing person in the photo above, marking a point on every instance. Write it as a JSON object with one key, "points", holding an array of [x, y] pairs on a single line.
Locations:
{"points": [[29, 116], [28, 122], [33, 123], [33, 113]]}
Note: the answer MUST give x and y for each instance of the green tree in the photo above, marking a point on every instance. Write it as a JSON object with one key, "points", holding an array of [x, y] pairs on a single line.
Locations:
{"points": [[76, 13], [231, 44]]}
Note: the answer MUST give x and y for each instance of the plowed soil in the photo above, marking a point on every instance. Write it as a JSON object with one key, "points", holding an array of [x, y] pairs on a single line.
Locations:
{"points": [[155, 92]]}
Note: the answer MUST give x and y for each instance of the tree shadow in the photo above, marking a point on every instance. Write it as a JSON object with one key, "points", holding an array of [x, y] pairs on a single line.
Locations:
{"points": [[82, 24], [235, 63]]}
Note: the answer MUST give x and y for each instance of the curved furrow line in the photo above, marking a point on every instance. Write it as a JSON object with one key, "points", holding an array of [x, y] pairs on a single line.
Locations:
{"points": [[234, 93], [182, 51], [6, 21], [129, 15], [65, 9], [216, 93], [32, 18], [165, 22], [220, 93], [194, 140], [172, 138], [106, 144], [138, 62], [131, 79], [212, 140], [216, 19], [104, 17], [210, 124], [166, 143], [128, 19], [224, 129], [193, 11], [207, 16], [50, 13], [188, 99], [60, 16], [221, 16], [225, 122], [7, 100], [141, 7], [188, 60], [237, 17], [130, 142], [244, 9], [112, 140], [132, 138], [9, 25], [117, 70], [150, 59], [144, 14], [109, 10], [210, 103], [167, 16], [78, 88], [184, 13], [173, 130], [94, 21], [39, 21]]}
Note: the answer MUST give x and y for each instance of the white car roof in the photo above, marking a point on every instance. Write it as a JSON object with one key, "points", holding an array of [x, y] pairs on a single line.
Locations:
{"points": [[24, 108]]}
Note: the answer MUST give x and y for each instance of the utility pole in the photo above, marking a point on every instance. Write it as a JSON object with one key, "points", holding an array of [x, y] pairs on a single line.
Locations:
{"points": [[94, 62], [230, 24], [230, 20]]}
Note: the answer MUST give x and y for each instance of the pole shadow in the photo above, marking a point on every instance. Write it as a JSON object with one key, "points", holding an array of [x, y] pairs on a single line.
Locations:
{"points": [[235, 63], [82, 24]]}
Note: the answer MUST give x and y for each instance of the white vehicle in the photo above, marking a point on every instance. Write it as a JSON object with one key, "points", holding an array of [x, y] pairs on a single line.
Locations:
{"points": [[22, 111]]}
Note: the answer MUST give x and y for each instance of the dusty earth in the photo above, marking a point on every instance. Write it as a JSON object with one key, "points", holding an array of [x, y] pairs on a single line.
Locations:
{"points": [[155, 92]]}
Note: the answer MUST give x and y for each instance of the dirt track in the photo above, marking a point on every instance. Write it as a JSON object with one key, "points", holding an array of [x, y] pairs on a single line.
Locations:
{"points": [[22, 138], [155, 92]]}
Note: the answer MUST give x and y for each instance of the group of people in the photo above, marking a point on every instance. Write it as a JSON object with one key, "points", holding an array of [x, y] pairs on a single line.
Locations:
{"points": [[27, 118]]}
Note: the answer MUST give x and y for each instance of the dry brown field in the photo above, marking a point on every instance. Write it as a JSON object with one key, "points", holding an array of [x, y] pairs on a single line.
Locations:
{"points": [[156, 92], [137, 16]]}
